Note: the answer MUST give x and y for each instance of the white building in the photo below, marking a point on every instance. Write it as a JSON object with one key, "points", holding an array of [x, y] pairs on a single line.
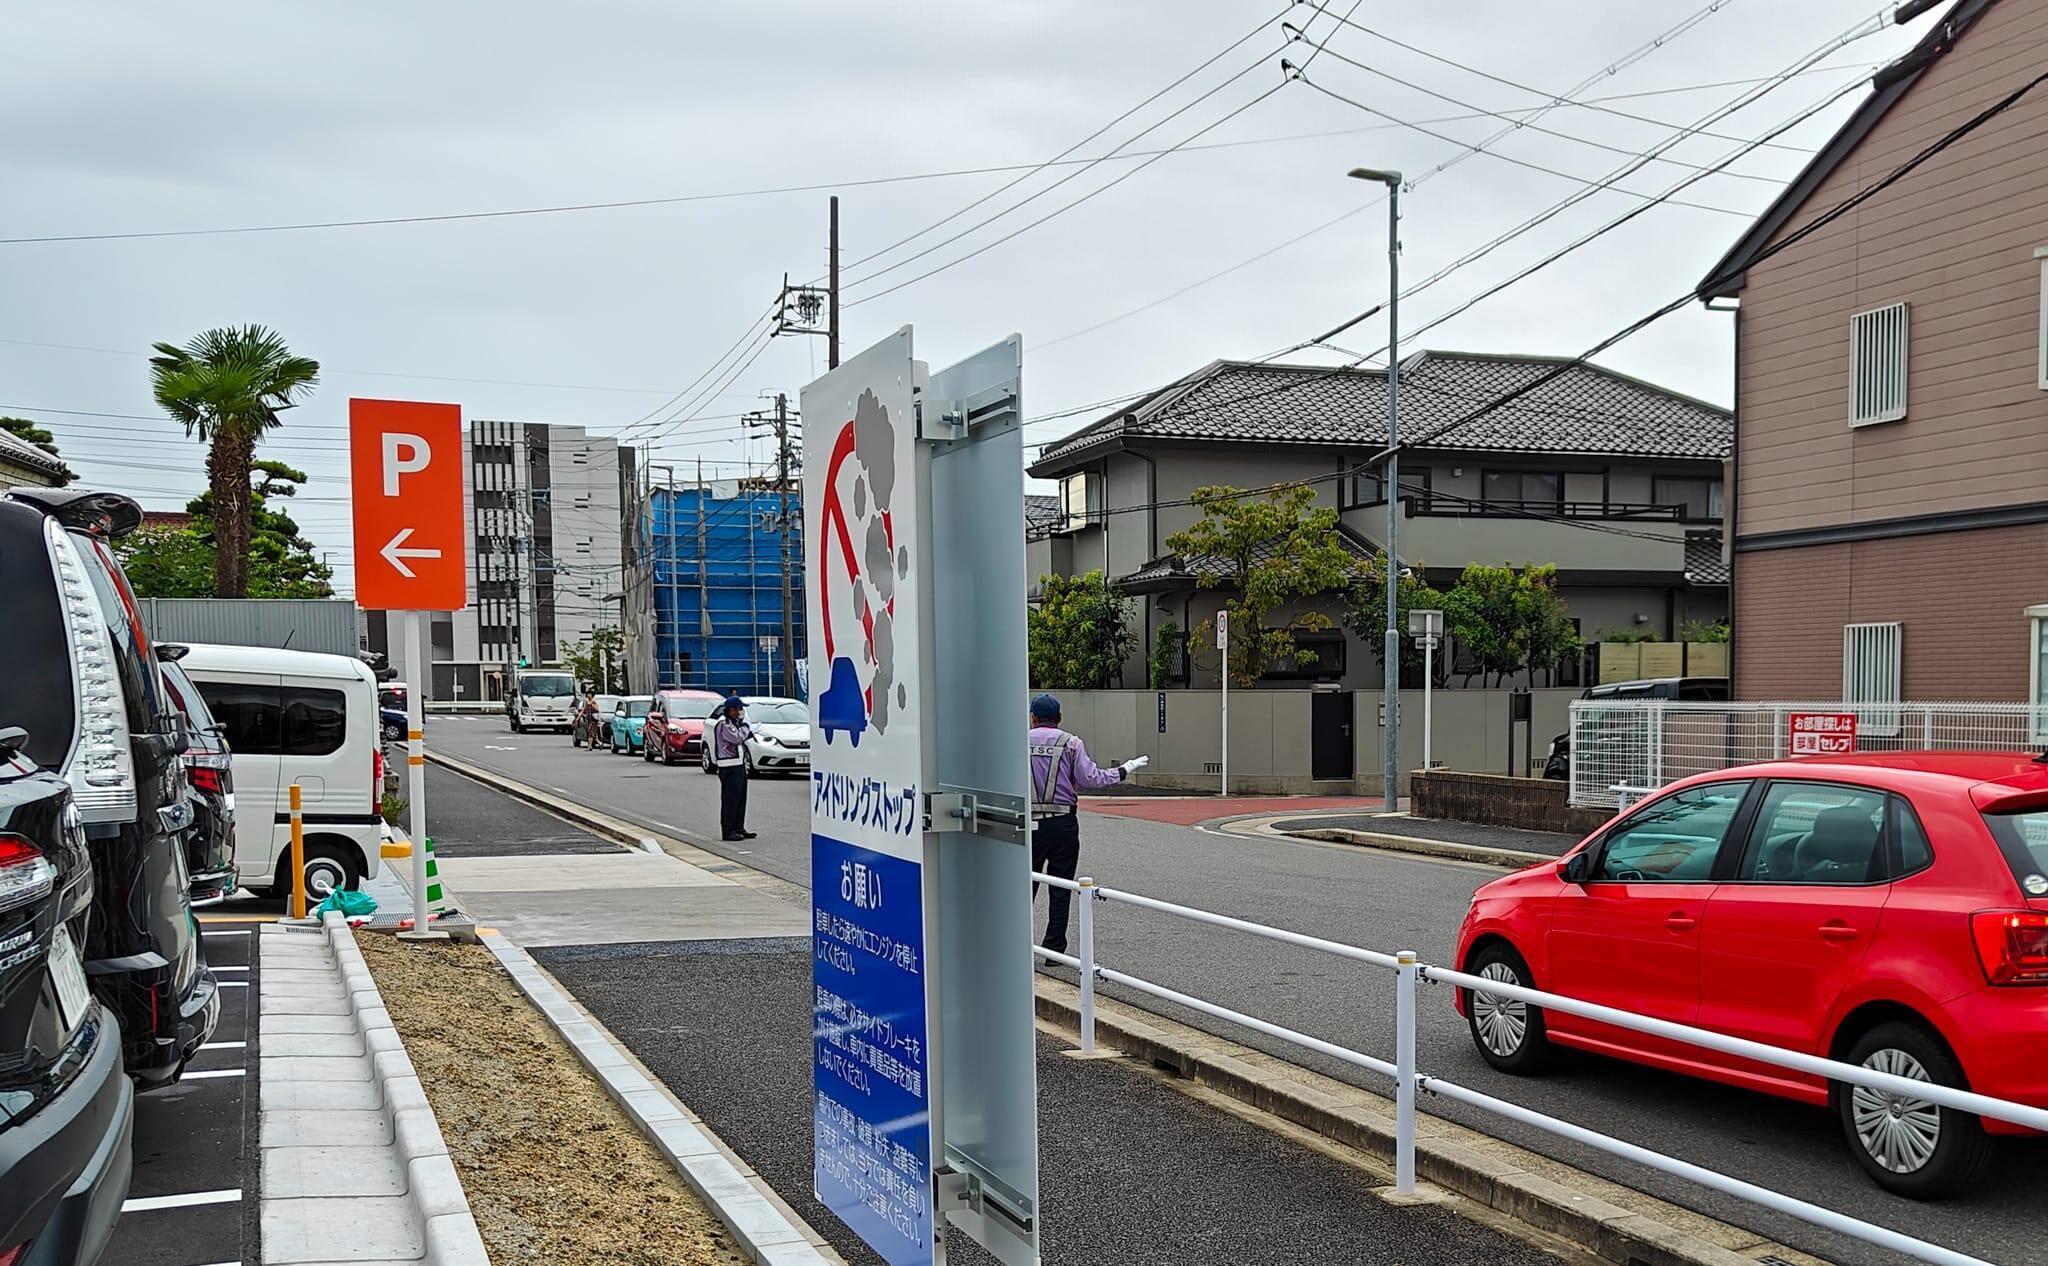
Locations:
{"points": [[548, 509]]}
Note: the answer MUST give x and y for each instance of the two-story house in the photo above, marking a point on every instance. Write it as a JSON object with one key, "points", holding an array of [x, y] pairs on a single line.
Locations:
{"points": [[1616, 481], [1890, 515]]}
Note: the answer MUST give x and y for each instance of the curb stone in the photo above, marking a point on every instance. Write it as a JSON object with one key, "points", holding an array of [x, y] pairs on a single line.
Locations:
{"points": [[346, 1104], [1509, 858], [758, 1224], [1644, 1231]]}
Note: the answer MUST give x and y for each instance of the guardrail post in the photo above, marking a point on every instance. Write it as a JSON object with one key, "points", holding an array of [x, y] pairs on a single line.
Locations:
{"points": [[1405, 972], [1086, 897]]}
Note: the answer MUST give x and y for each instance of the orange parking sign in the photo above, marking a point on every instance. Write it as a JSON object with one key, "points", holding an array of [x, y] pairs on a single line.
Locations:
{"points": [[405, 458]]}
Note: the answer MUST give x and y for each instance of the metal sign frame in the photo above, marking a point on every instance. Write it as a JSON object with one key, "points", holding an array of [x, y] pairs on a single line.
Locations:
{"points": [[916, 541]]}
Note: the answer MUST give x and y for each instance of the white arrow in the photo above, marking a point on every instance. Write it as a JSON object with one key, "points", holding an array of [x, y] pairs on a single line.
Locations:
{"points": [[396, 556]]}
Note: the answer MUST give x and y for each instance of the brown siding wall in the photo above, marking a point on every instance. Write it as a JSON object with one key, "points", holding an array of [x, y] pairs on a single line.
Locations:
{"points": [[1959, 597], [1955, 240]]}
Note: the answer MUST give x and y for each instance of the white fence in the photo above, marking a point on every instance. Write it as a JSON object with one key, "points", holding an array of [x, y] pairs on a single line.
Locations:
{"points": [[1645, 743], [1410, 1082]]}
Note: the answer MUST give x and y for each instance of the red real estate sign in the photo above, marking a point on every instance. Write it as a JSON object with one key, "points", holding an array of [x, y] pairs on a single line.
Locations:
{"points": [[405, 464], [1822, 733]]}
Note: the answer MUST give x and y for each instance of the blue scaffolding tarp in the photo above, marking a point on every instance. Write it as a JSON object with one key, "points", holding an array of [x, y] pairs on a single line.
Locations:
{"points": [[715, 605]]}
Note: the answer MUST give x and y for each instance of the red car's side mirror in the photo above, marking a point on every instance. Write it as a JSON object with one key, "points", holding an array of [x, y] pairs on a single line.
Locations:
{"points": [[1575, 869]]}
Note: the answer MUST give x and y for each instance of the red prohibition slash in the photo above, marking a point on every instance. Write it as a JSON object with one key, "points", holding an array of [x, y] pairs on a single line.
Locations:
{"points": [[835, 517]]}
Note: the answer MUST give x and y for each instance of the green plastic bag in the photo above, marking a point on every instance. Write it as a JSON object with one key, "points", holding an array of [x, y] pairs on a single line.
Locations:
{"points": [[350, 903]]}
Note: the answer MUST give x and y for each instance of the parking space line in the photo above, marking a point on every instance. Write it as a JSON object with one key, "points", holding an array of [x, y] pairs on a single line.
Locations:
{"points": [[224, 931], [204, 1074], [231, 984], [222, 1046], [221, 967], [146, 1204]]}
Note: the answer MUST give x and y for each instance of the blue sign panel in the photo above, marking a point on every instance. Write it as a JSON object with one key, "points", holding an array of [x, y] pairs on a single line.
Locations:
{"points": [[871, 1115], [1162, 712]]}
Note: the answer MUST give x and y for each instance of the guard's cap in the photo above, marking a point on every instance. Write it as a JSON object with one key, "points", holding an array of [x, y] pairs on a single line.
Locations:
{"points": [[731, 702], [1046, 707]]}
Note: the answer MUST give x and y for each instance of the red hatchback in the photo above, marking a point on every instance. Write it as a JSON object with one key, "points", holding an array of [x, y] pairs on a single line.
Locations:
{"points": [[1885, 910], [674, 729]]}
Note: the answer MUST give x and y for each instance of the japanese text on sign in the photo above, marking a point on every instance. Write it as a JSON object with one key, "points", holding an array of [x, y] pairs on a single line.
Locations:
{"points": [[1822, 733]]}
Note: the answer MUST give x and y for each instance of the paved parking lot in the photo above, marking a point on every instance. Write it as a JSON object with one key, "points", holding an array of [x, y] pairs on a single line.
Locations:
{"points": [[197, 1176]]}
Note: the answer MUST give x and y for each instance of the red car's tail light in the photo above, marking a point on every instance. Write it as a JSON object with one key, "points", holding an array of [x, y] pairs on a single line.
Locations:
{"points": [[2012, 945], [25, 874]]}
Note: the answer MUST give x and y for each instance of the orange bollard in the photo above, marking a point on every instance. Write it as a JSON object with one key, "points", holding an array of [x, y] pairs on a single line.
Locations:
{"points": [[298, 857]]}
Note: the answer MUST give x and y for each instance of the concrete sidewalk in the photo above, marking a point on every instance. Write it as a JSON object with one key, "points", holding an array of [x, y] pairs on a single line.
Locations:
{"points": [[544, 880]]}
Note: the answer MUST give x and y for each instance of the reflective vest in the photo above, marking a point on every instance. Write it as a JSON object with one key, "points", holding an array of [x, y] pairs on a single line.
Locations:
{"points": [[1043, 785]]}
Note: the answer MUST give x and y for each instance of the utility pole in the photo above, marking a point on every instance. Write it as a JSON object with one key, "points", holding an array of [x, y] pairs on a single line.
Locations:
{"points": [[784, 453], [1390, 486], [703, 585], [799, 309], [832, 290]]}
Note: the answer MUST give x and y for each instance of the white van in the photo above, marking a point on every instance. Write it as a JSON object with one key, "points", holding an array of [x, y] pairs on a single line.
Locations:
{"points": [[306, 718], [542, 698]]}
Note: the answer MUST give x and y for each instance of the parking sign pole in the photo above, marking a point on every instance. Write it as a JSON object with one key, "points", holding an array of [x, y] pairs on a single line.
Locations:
{"points": [[416, 775]]}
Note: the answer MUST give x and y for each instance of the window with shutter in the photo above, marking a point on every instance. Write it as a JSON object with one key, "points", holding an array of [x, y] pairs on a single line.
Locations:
{"points": [[1877, 365], [1870, 674]]}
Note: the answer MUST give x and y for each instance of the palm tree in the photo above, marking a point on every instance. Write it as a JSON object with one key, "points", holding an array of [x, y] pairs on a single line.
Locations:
{"points": [[228, 386]]}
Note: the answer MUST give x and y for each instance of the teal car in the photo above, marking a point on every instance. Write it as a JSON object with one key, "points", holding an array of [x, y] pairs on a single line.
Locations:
{"points": [[629, 724]]}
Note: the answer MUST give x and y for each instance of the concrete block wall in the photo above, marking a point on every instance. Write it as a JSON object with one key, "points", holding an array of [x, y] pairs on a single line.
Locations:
{"points": [[1533, 804], [1270, 740]]}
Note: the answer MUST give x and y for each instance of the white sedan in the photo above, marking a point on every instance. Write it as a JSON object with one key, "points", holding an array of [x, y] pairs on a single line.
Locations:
{"points": [[782, 736]]}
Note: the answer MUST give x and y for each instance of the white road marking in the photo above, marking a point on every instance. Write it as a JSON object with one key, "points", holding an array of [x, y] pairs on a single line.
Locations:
{"points": [[211, 1074], [223, 1046], [226, 932], [145, 1204], [231, 984], [218, 968]]}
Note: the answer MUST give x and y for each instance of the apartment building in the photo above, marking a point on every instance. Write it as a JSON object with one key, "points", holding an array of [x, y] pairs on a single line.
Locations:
{"points": [[549, 512], [1890, 514]]}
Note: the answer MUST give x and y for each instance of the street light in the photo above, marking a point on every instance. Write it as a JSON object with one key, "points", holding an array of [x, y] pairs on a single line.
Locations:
{"points": [[1390, 480]]}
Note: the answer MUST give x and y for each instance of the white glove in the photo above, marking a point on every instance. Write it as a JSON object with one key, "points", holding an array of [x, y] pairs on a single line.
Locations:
{"points": [[1134, 764]]}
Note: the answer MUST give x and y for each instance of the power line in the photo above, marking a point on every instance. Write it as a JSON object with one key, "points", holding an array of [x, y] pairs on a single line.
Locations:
{"points": [[1061, 157], [1827, 48], [1073, 175]]}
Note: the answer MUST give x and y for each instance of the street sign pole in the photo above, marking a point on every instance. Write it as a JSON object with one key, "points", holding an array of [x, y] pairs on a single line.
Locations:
{"points": [[405, 466], [416, 775], [1223, 646]]}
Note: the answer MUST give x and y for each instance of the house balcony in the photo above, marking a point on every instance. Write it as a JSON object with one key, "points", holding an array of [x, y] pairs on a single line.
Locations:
{"points": [[1442, 532]]}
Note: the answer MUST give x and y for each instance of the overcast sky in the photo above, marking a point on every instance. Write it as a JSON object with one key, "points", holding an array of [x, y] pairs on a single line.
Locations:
{"points": [[143, 117]]}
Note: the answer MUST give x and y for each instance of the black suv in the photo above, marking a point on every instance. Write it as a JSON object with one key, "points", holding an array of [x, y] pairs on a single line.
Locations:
{"points": [[83, 682], [210, 775], [1558, 765], [66, 1111]]}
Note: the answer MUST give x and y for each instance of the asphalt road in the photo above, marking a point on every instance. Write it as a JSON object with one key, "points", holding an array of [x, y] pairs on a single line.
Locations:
{"points": [[194, 1194], [727, 1025], [1385, 901]]}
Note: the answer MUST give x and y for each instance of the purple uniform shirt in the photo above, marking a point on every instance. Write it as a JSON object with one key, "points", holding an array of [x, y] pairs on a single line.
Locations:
{"points": [[1059, 785], [728, 741]]}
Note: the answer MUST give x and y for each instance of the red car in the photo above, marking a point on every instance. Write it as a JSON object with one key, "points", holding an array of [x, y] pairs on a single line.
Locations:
{"points": [[674, 728], [1886, 910]]}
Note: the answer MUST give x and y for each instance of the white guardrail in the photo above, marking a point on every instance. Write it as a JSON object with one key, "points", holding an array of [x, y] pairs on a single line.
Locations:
{"points": [[1650, 742], [1409, 1082]]}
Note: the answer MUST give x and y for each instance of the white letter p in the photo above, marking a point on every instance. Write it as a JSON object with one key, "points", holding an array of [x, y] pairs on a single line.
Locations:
{"points": [[417, 455]]}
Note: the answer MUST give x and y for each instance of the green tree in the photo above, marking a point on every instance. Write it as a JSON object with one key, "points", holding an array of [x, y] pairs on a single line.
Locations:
{"points": [[228, 387], [180, 562], [1509, 620], [596, 660], [1270, 550], [1164, 663], [1365, 610], [1080, 633], [23, 429]]}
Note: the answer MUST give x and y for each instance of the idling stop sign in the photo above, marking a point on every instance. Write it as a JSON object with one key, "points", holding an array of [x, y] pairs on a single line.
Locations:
{"points": [[405, 462]]}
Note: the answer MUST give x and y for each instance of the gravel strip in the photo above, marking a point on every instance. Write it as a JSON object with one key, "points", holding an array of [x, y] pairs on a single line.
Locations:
{"points": [[555, 1172]]}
